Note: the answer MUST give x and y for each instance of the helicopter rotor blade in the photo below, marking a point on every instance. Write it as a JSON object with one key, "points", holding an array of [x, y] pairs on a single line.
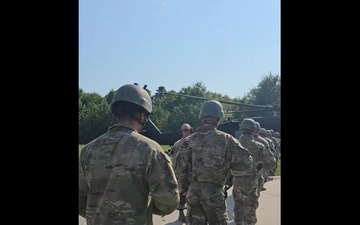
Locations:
{"points": [[226, 102]]}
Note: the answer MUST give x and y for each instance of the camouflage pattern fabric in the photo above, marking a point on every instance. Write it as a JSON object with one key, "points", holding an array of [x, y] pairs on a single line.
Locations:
{"points": [[271, 144], [174, 149], [245, 189], [272, 148], [277, 150], [207, 204], [124, 178], [262, 141], [263, 173], [246, 197], [202, 164], [276, 144], [259, 152]]}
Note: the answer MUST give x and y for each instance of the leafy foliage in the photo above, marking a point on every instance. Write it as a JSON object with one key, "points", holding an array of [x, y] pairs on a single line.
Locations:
{"points": [[94, 116], [170, 111]]}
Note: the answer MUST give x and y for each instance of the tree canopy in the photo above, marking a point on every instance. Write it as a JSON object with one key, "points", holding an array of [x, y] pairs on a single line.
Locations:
{"points": [[171, 109]]}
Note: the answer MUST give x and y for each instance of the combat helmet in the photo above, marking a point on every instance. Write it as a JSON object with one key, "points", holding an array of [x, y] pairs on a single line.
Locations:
{"points": [[211, 108], [268, 133], [247, 124], [276, 134], [257, 126], [132, 93], [262, 131]]}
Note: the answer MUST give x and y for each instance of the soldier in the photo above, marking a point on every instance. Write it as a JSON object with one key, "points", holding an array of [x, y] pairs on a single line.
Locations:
{"points": [[277, 150], [202, 164], [125, 177], [185, 131], [264, 134], [245, 189], [277, 136], [275, 140], [264, 173]]}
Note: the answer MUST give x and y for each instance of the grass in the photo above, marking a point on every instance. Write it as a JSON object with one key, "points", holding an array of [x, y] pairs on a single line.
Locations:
{"points": [[167, 147], [80, 148], [278, 169]]}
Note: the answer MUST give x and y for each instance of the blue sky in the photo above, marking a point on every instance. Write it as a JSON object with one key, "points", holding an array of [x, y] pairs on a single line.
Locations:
{"points": [[229, 45]]}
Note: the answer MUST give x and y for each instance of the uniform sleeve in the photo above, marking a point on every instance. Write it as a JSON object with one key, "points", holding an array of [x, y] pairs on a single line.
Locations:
{"points": [[163, 185], [268, 158], [183, 167], [242, 161], [83, 189], [173, 152]]}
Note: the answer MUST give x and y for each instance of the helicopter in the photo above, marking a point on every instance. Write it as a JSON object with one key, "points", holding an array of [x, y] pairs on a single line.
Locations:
{"points": [[230, 126]]}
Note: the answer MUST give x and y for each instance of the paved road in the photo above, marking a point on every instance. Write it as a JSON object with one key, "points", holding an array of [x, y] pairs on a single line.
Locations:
{"points": [[268, 212]]}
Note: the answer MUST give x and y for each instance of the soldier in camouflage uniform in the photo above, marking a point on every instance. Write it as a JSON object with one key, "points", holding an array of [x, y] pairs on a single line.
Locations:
{"points": [[245, 188], [263, 173], [185, 131], [277, 136], [202, 164], [269, 134], [125, 177], [264, 134]]}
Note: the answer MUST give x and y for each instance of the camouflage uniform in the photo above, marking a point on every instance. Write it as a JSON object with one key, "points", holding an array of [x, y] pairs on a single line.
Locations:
{"points": [[264, 134], [203, 162], [277, 136], [277, 147], [125, 178], [245, 190], [175, 148], [264, 172], [186, 131]]}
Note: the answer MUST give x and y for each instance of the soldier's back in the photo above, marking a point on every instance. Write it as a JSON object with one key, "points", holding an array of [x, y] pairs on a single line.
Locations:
{"points": [[211, 157], [262, 141], [255, 147], [118, 157]]}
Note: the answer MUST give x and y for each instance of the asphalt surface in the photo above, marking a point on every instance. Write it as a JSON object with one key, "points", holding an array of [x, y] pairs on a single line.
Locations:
{"points": [[268, 212]]}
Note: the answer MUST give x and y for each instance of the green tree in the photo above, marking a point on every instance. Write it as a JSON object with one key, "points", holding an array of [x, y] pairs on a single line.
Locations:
{"points": [[108, 97], [94, 116], [171, 109], [267, 93]]}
